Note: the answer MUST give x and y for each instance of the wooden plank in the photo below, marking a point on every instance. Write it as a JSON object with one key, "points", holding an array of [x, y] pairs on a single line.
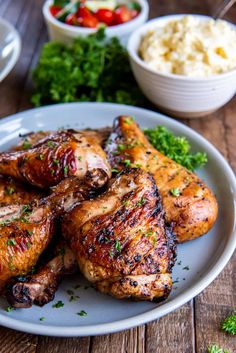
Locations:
{"points": [[212, 306], [172, 333], [230, 126], [29, 25], [17, 342], [132, 341], [63, 345]]}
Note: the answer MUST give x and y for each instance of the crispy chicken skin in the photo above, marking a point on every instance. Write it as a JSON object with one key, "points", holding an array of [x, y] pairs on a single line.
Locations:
{"points": [[40, 288], [52, 159], [194, 211], [25, 231], [32, 138], [121, 241], [13, 192]]}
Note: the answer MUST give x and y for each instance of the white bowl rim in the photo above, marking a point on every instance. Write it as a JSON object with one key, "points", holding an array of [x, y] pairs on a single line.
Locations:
{"points": [[128, 26], [167, 307], [16, 53], [139, 32]]}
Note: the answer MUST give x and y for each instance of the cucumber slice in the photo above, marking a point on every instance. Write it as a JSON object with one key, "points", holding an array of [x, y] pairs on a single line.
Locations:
{"points": [[94, 5]]}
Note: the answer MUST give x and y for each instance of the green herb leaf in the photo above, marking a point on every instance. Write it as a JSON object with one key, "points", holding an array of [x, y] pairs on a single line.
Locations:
{"points": [[175, 192], [9, 190], [8, 309], [11, 242], [91, 69], [117, 245], [82, 313], [216, 349], [229, 324], [58, 305], [176, 148]]}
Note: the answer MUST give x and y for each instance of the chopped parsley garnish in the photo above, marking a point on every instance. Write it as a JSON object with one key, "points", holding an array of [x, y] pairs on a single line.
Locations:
{"points": [[9, 190], [26, 145], [50, 144], [117, 245], [27, 209], [121, 147], [149, 233], [175, 192], [79, 158], [66, 170], [11, 242], [40, 157], [82, 313], [129, 120], [58, 305], [141, 201], [56, 161], [176, 148], [42, 318], [186, 268], [111, 253], [229, 324], [126, 202], [127, 162], [9, 309], [115, 170]]}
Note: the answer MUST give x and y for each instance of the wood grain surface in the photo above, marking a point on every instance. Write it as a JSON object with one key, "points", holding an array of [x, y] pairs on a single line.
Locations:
{"points": [[195, 325]]}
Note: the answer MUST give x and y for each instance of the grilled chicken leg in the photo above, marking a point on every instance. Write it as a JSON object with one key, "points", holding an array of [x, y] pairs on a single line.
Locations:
{"points": [[57, 156], [27, 230], [121, 240], [40, 288], [193, 212]]}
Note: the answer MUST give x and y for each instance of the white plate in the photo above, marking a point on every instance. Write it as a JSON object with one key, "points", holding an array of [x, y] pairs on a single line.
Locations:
{"points": [[10, 47], [206, 256]]}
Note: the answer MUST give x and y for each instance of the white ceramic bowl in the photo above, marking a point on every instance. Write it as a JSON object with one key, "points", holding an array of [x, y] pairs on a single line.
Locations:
{"points": [[10, 47], [178, 95], [65, 33]]}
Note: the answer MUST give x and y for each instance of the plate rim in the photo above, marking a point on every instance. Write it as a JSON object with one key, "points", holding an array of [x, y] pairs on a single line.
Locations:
{"points": [[167, 307], [17, 50]]}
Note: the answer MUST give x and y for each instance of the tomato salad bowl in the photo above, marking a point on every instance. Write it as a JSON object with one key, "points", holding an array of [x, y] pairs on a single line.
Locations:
{"points": [[120, 17]]}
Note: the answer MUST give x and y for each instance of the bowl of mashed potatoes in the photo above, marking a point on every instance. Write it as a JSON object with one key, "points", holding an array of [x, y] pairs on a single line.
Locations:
{"points": [[185, 64]]}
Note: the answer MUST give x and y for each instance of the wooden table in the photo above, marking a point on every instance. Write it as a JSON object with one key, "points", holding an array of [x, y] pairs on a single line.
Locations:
{"points": [[195, 325]]}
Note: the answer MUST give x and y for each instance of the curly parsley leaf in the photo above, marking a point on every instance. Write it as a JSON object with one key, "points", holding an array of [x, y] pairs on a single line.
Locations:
{"points": [[229, 324], [176, 148], [91, 69]]}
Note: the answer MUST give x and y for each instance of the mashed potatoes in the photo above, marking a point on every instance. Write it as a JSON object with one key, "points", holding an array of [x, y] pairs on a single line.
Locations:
{"points": [[190, 47]]}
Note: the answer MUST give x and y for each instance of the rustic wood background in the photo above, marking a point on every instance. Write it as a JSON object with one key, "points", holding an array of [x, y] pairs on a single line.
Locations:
{"points": [[195, 325]]}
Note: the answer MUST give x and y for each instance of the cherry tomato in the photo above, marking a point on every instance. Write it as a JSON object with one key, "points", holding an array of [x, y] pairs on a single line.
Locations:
{"points": [[86, 18], [105, 16], [134, 13], [122, 15], [55, 10], [71, 19]]}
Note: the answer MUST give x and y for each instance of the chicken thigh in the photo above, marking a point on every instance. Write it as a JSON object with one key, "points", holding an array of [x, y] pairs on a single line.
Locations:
{"points": [[192, 208], [54, 158], [121, 241], [25, 231]]}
